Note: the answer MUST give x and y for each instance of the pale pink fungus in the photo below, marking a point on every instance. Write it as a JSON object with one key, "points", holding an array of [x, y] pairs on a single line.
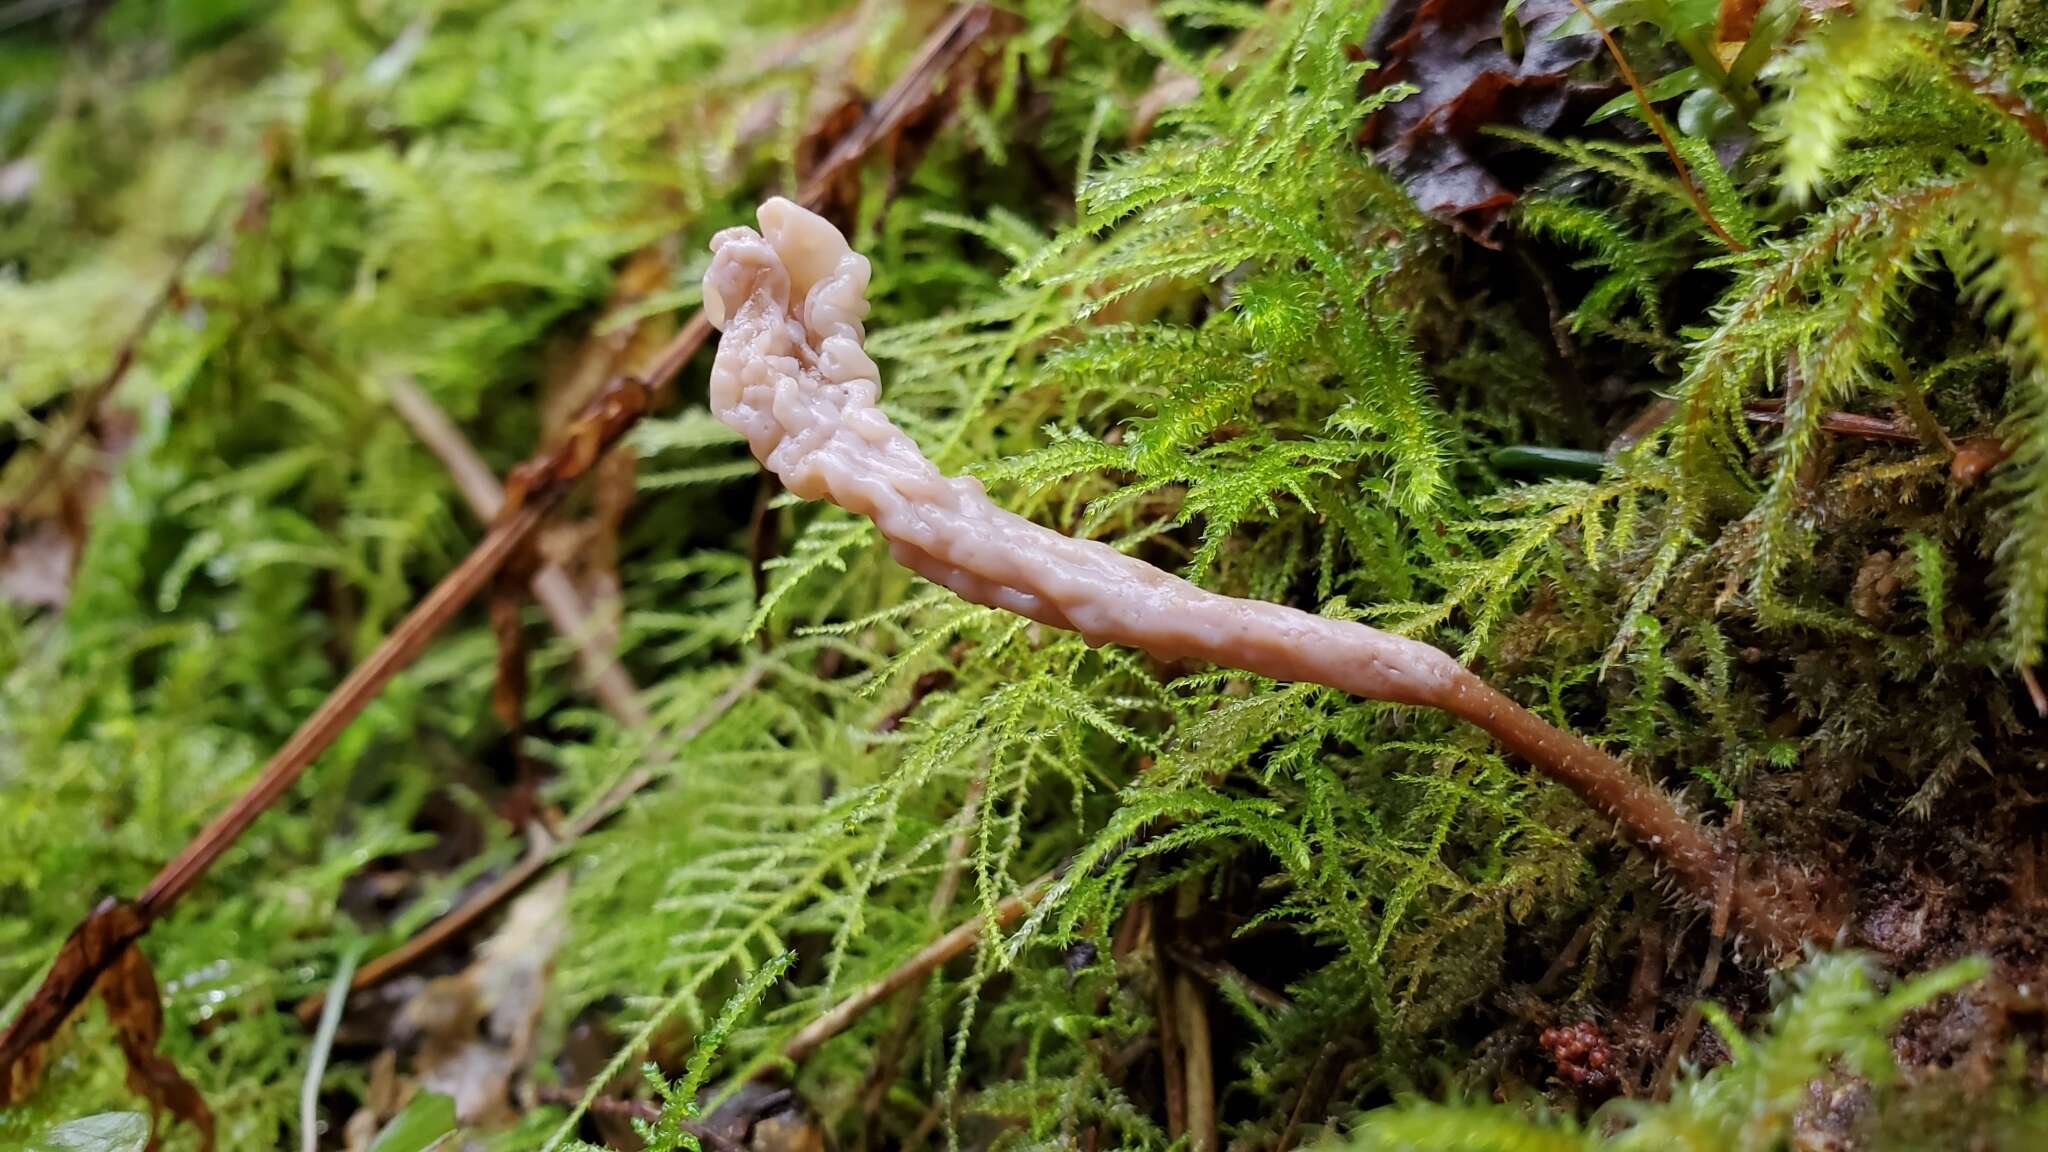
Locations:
{"points": [[793, 377]]}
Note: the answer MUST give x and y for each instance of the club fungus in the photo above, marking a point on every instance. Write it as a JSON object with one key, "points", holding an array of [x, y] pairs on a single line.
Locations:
{"points": [[792, 376]]}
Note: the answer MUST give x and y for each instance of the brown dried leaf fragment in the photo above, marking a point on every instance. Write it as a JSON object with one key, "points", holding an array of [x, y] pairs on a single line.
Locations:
{"points": [[88, 951], [103, 944], [613, 485], [762, 1115], [475, 1029], [1467, 79], [577, 369], [956, 62], [1734, 21], [136, 1008], [507, 609], [621, 342], [1975, 456], [36, 572], [615, 408], [508, 689]]}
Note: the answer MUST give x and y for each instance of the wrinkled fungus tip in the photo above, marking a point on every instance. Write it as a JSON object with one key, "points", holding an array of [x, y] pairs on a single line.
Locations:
{"points": [[809, 245]]}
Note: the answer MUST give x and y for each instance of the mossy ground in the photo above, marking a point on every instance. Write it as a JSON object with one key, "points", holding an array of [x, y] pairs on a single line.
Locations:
{"points": [[1141, 270]]}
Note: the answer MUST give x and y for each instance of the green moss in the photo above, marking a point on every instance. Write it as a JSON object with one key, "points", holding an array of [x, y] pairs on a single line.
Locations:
{"points": [[1233, 348]]}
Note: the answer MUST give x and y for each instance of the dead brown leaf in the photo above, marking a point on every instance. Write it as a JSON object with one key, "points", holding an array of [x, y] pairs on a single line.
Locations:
{"points": [[42, 541], [1975, 456], [381, 1101], [36, 571], [763, 1116], [90, 948], [104, 943], [508, 691], [136, 1008], [955, 63], [619, 342], [475, 1029], [1467, 80], [1735, 20], [507, 609]]}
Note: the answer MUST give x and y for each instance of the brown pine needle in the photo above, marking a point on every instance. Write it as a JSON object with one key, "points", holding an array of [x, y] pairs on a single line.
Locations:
{"points": [[553, 589], [927, 960]]}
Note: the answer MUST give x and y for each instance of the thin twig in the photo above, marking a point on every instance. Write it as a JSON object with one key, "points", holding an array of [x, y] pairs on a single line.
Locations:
{"points": [[1839, 423], [1710, 968], [1568, 958], [1651, 418], [842, 1015], [1219, 973], [1681, 1047], [1685, 180], [346, 702], [553, 589], [1198, 1063], [914, 90], [2038, 697], [1173, 1078], [1643, 990], [710, 1136], [1316, 1090], [618, 1106], [890, 1054], [448, 927], [640, 777]]}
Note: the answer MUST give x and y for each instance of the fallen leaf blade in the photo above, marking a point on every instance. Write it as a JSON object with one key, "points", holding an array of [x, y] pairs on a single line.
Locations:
{"points": [[1466, 80], [90, 949], [135, 1007]]}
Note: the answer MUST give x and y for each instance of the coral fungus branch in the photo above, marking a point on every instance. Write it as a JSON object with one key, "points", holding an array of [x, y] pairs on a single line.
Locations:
{"points": [[793, 377]]}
